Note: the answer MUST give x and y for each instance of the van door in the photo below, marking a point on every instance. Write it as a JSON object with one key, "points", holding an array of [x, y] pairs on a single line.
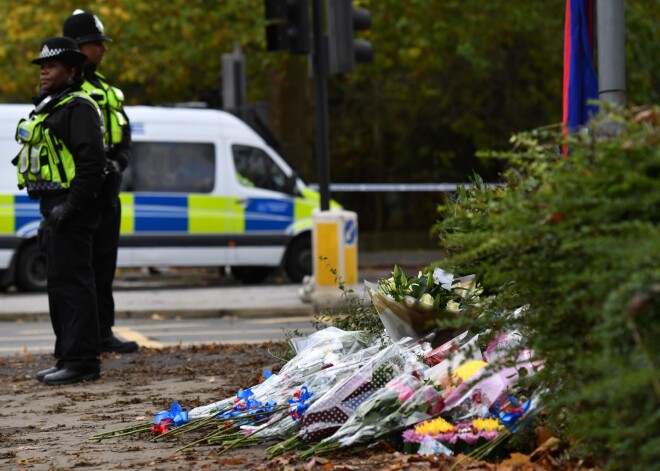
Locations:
{"points": [[267, 194]]}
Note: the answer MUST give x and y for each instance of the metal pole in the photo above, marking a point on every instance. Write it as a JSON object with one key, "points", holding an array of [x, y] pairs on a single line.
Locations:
{"points": [[611, 51], [320, 70]]}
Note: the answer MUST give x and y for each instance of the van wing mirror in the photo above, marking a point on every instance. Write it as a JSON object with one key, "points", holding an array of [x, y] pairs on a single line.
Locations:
{"points": [[292, 183]]}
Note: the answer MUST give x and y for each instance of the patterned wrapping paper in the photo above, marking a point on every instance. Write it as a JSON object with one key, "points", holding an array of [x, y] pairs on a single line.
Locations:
{"points": [[326, 415]]}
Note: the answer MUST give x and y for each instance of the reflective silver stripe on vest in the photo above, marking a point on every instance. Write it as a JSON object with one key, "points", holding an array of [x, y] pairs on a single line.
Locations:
{"points": [[35, 168], [22, 159]]}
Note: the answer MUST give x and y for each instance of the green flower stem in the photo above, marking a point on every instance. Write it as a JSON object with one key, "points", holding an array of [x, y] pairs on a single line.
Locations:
{"points": [[194, 424], [289, 444], [218, 436], [320, 449], [206, 438], [184, 428], [222, 438], [122, 431], [251, 436]]}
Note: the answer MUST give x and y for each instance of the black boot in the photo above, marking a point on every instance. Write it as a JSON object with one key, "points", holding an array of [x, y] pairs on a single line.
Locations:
{"points": [[114, 345], [41, 374], [69, 376]]}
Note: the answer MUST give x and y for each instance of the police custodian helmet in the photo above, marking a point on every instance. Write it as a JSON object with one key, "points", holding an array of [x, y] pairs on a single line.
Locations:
{"points": [[84, 27]]}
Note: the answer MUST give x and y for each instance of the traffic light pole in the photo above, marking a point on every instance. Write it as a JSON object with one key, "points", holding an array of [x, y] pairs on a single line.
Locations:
{"points": [[320, 71], [611, 51]]}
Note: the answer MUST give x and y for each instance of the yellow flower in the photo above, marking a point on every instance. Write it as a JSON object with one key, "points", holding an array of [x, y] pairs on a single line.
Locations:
{"points": [[468, 369], [434, 427], [487, 425]]}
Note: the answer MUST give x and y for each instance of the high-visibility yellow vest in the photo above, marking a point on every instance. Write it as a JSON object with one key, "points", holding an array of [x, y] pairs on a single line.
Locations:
{"points": [[111, 100], [44, 163]]}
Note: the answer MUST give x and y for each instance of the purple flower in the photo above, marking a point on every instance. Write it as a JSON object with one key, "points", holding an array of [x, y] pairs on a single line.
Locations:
{"points": [[411, 436]]}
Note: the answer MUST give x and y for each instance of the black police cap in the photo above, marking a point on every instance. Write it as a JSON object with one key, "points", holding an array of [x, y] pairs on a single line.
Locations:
{"points": [[62, 49]]}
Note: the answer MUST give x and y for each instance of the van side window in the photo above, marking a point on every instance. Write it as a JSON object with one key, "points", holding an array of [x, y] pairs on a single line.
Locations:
{"points": [[180, 167], [255, 168]]}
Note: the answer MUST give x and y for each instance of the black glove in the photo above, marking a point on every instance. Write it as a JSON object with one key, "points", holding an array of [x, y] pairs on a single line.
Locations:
{"points": [[60, 213]]}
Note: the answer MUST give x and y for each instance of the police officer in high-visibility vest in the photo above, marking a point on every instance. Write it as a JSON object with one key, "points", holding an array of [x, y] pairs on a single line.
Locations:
{"points": [[87, 30], [62, 164]]}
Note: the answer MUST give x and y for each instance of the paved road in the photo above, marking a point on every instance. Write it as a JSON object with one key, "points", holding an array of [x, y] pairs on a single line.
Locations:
{"points": [[193, 306], [169, 316], [157, 332], [215, 301]]}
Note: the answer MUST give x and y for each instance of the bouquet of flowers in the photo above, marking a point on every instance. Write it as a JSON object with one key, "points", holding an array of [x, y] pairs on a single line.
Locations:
{"points": [[332, 410], [407, 304], [323, 349], [318, 383], [459, 438], [403, 401]]}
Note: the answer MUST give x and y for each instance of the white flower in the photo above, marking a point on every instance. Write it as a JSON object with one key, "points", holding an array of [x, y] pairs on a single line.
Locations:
{"points": [[387, 286], [453, 306], [426, 299], [441, 277], [470, 287]]}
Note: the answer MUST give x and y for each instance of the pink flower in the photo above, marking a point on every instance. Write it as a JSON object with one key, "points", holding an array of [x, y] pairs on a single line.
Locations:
{"points": [[405, 391], [411, 436]]}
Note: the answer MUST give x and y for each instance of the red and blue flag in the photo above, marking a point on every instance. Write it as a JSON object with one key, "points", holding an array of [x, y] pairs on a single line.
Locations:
{"points": [[580, 84]]}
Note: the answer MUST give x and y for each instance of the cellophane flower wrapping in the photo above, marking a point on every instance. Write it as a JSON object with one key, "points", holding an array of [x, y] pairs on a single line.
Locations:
{"points": [[485, 392], [319, 383], [399, 321], [443, 371], [339, 403], [447, 349], [325, 348], [490, 385], [402, 402]]}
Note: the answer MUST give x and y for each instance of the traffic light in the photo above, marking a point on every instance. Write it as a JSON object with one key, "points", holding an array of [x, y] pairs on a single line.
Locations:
{"points": [[287, 26], [343, 49]]}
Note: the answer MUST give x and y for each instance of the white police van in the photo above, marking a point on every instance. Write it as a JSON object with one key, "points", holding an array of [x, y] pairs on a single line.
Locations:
{"points": [[202, 189]]}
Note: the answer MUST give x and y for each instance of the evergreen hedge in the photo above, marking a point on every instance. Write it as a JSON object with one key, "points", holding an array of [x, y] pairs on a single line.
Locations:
{"points": [[575, 238]]}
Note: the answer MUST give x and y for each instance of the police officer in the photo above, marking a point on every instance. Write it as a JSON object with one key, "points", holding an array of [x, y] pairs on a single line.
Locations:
{"points": [[61, 163], [87, 30]]}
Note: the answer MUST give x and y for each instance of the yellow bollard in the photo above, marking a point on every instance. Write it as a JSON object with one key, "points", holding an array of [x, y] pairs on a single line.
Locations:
{"points": [[334, 247]]}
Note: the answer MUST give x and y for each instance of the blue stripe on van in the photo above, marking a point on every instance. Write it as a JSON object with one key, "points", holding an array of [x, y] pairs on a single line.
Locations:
{"points": [[26, 210], [161, 213], [263, 214]]}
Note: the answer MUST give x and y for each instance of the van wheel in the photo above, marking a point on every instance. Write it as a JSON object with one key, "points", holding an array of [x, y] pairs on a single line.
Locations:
{"points": [[250, 275], [31, 269], [299, 259]]}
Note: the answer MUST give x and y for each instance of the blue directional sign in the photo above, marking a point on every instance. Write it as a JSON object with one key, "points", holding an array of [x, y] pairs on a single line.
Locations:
{"points": [[350, 232]]}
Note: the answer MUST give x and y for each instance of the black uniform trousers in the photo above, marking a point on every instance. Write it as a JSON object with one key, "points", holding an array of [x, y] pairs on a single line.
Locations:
{"points": [[72, 287], [104, 262]]}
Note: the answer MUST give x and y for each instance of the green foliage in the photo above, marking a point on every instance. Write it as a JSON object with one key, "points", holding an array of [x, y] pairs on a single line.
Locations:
{"points": [[576, 239], [447, 78], [162, 52]]}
